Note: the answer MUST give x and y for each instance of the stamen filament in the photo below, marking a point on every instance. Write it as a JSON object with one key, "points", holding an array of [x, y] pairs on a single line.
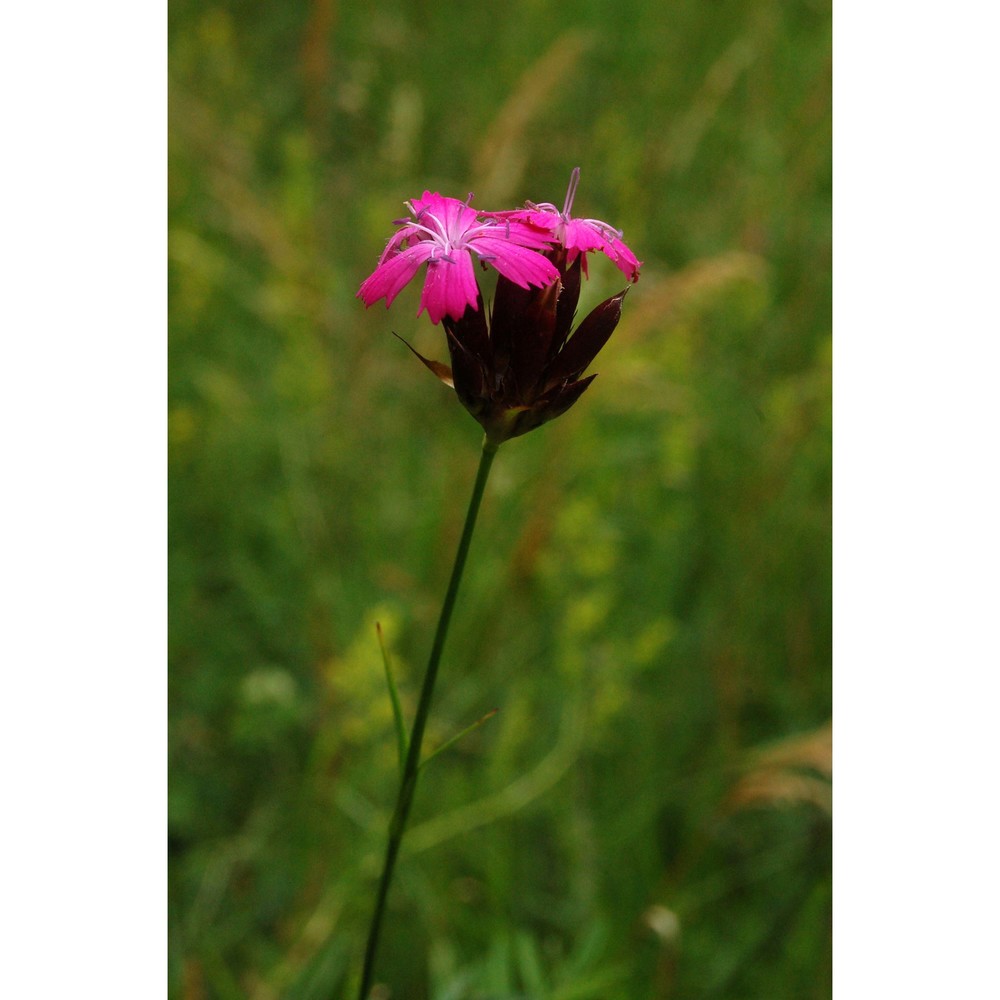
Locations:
{"points": [[574, 180]]}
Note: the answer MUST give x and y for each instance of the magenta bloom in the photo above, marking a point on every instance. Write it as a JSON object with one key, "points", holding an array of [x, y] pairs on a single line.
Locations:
{"points": [[580, 236], [443, 233], [520, 363]]}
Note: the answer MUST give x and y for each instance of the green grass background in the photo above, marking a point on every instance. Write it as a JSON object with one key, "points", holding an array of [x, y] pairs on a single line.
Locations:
{"points": [[648, 597]]}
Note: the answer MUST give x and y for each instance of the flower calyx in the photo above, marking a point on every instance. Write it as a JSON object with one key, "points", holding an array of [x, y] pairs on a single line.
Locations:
{"points": [[521, 366]]}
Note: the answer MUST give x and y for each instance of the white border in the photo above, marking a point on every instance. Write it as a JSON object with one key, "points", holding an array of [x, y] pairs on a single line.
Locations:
{"points": [[83, 528], [916, 499]]}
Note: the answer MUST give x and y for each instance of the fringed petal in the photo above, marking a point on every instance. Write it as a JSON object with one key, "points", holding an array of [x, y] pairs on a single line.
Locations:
{"points": [[389, 278]]}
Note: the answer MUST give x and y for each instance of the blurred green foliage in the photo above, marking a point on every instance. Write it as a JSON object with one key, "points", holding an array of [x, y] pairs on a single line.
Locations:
{"points": [[648, 598]]}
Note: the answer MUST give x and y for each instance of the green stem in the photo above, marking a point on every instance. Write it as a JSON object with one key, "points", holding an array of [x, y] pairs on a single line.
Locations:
{"points": [[408, 782]]}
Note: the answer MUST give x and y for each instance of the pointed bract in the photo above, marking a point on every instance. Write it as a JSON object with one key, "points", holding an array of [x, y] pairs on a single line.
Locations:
{"points": [[443, 372], [581, 349]]}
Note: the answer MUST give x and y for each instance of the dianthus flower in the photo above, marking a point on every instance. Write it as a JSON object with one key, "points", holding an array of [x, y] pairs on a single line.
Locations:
{"points": [[520, 364], [578, 236], [514, 367], [443, 233]]}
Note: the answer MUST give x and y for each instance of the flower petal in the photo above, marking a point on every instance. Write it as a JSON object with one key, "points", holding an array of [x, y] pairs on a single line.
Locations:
{"points": [[583, 235], [623, 259], [449, 288], [453, 217], [526, 234], [578, 236], [407, 233], [389, 278], [518, 264]]}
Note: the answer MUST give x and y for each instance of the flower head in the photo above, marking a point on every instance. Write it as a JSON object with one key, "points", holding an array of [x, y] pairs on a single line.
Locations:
{"points": [[579, 236], [443, 233], [521, 363]]}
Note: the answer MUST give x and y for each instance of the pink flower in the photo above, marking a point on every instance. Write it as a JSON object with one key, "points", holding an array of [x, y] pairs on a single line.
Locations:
{"points": [[579, 236], [443, 233]]}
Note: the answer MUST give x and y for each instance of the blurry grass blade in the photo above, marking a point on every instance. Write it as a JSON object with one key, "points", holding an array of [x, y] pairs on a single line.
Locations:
{"points": [[465, 732], [516, 796], [691, 290], [529, 966], [798, 769], [687, 133], [500, 162], [397, 711]]}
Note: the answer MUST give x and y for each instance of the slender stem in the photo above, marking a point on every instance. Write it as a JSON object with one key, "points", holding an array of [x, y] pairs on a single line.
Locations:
{"points": [[408, 782]]}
